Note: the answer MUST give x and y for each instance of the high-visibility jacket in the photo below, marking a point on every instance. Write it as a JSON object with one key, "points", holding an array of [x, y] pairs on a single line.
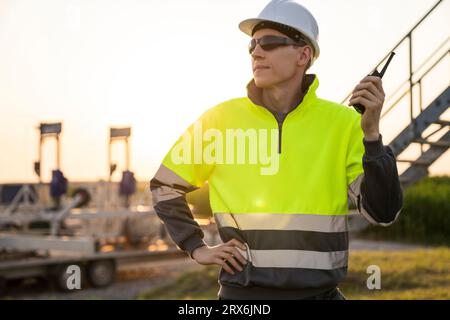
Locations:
{"points": [[281, 187]]}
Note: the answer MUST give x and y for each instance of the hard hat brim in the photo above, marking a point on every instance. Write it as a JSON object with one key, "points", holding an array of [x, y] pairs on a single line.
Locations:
{"points": [[246, 26]]}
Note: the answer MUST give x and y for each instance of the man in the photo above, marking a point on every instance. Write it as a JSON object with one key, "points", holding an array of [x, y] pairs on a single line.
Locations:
{"points": [[280, 164]]}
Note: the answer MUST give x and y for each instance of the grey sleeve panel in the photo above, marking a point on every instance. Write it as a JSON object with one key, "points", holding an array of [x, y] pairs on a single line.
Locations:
{"points": [[169, 201], [377, 193]]}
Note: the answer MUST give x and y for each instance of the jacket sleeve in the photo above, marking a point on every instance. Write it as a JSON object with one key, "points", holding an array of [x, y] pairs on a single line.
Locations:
{"points": [[169, 201], [179, 174], [373, 183]]}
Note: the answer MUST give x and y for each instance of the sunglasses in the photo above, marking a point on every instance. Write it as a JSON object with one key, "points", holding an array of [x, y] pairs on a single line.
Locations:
{"points": [[268, 43]]}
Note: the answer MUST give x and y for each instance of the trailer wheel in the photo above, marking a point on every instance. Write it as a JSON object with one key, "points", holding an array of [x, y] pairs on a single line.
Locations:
{"points": [[101, 273], [85, 195]]}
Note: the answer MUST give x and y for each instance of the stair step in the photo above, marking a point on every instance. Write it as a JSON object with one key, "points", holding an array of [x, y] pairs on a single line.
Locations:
{"points": [[405, 179], [442, 122], [442, 144], [415, 162]]}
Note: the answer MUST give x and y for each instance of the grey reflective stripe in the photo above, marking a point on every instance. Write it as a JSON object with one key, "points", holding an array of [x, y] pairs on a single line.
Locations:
{"points": [[165, 193], [299, 259], [168, 191], [354, 191], [169, 177], [283, 221]]}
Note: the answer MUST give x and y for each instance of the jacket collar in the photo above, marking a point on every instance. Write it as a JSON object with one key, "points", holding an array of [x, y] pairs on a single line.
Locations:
{"points": [[308, 89]]}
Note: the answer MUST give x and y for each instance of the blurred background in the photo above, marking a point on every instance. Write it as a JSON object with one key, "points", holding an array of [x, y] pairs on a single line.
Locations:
{"points": [[93, 93]]}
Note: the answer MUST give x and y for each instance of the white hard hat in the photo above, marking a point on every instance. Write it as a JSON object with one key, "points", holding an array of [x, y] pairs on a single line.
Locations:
{"points": [[289, 13]]}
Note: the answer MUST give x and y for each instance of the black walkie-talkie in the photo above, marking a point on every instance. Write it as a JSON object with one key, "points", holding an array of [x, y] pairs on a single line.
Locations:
{"points": [[359, 107]]}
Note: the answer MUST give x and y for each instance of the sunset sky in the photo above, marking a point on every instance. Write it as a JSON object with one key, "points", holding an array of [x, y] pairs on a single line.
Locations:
{"points": [[157, 65]]}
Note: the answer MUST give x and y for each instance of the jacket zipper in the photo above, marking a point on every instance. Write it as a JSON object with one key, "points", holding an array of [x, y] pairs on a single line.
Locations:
{"points": [[280, 130], [280, 126]]}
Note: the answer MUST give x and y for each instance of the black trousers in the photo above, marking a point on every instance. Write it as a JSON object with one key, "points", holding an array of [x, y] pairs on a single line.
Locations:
{"points": [[334, 294]]}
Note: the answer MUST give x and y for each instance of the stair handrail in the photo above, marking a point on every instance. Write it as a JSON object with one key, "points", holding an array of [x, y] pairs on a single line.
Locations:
{"points": [[412, 72]]}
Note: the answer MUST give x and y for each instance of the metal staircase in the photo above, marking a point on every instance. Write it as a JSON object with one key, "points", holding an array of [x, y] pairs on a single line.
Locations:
{"points": [[421, 120]]}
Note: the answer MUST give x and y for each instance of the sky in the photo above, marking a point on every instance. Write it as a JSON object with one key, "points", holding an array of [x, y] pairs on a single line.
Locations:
{"points": [[158, 65]]}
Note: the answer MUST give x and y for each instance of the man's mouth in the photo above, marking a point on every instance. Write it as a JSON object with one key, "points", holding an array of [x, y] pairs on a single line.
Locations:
{"points": [[256, 68]]}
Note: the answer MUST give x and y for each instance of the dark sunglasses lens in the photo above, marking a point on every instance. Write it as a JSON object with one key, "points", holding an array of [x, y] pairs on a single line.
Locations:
{"points": [[271, 42], [267, 43], [252, 45], [270, 46]]}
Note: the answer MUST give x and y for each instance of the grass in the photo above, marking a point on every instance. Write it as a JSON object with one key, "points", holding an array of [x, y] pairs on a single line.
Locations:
{"points": [[411, 274], [190, 285], [424, 218]]}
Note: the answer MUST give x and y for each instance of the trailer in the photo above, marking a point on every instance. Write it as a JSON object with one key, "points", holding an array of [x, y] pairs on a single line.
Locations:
{"points": [[96, 270], [95, 242]]}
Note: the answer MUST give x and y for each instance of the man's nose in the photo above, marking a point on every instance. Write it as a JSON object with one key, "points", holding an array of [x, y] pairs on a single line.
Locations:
{"points": [[258, 52]]}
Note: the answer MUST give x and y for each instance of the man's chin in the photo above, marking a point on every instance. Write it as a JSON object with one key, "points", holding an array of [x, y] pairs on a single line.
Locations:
{"points": [[263, 83]]}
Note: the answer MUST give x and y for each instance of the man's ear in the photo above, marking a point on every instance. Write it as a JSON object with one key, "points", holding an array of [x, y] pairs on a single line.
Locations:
{"points": [[305, 54]]}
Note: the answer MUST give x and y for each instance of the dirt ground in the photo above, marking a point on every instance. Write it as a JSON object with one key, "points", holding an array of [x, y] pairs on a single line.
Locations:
{"points": [[130, 282]]}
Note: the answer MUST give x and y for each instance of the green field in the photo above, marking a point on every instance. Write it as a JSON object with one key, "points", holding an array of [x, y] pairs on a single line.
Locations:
{"points": [[410, 274]]}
